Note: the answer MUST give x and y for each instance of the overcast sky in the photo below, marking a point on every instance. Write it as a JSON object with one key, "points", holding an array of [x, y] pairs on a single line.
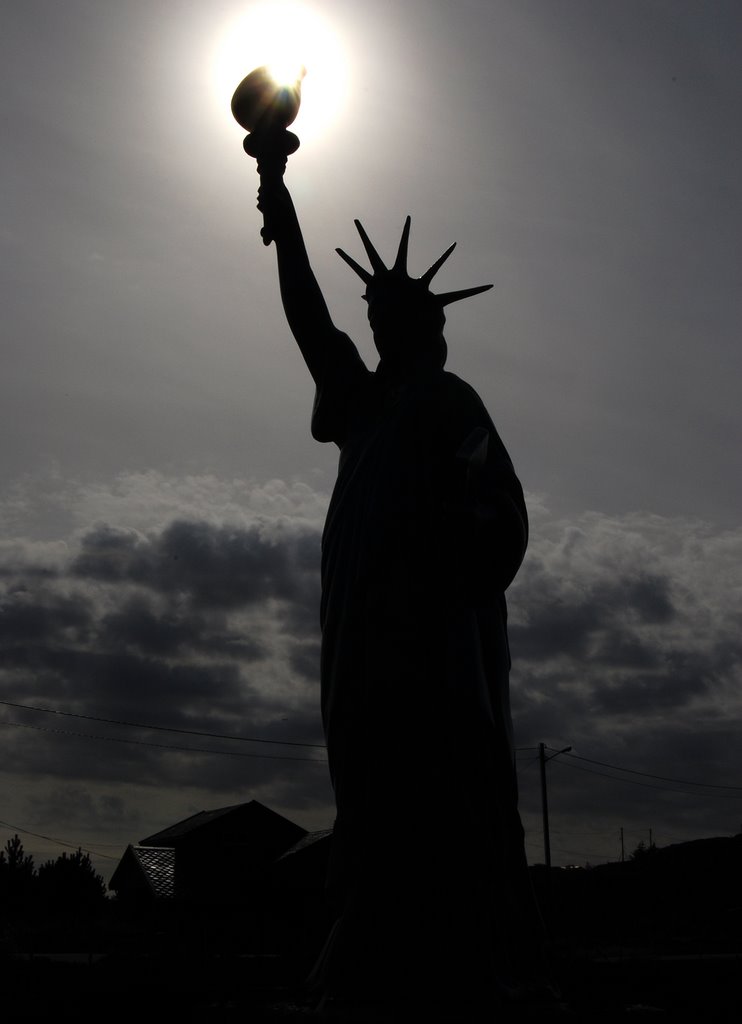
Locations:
{"points": [[161, 498]]}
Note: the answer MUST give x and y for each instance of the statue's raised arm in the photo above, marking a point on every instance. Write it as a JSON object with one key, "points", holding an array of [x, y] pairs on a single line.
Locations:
{"points": [[305, 306], [266, 107]]}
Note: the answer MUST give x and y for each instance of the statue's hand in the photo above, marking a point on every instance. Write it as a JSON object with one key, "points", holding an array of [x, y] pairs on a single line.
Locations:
{"points": [[274, 202]]}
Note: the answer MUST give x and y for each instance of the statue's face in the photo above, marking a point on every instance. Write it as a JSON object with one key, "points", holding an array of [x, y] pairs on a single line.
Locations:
{"points": [[404, 322], [384, 318]]}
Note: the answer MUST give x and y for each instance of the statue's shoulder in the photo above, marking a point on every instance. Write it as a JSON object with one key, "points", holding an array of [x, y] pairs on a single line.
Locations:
{"points": [[458, 393], [340, 389]]}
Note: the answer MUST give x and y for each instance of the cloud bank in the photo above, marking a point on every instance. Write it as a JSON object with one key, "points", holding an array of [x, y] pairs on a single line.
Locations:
{"points": [[192, 604]]}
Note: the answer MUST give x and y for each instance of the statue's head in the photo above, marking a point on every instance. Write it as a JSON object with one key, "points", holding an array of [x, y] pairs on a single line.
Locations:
{"points": [[406, 318]]}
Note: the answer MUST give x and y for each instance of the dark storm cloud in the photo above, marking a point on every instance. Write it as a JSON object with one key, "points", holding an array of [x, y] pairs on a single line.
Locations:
{"points": [[10, 571], [140, 626], [624, 632], [215, 566], [618, 646], [627, 633], [658, 691], [625, 645], [77, 805], [197, 626], [95, 753], [31, 616], [304, 658], [569, 620]]}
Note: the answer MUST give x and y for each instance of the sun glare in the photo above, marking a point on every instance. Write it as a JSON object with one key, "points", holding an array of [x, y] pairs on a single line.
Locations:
{"points": [[287, 37]]}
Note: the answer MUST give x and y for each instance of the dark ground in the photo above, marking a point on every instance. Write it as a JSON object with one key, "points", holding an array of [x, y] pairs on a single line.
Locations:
{"points": [[659, 938], [251, 989]]}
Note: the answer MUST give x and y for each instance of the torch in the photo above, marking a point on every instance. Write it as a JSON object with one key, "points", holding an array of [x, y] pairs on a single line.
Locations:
{"points": [[266, 107]]}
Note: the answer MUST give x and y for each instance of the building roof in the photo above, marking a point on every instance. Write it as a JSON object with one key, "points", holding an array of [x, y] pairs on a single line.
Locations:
{"points": [[158, 864], [182, 828], [252, 823], [217, 854], [306, 841], [146, 869]]}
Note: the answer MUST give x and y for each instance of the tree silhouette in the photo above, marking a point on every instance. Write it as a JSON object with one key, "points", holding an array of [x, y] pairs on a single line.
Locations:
{"points": [[71, 881], [17, 875], [15, 859], [642, 851]]}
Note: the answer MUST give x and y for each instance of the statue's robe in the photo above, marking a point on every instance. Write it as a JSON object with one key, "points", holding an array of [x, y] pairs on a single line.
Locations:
{"points": [[423, 536]]}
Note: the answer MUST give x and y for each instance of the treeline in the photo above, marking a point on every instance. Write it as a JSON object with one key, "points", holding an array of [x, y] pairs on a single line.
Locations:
{"points": [[67, 883]]}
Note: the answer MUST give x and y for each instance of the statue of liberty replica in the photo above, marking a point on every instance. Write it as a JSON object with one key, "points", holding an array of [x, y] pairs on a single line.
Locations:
{"points": [[426, 530]]}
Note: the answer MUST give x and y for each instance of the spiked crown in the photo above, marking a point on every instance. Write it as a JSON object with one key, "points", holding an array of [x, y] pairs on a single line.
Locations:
{"points": [[383, 276]]}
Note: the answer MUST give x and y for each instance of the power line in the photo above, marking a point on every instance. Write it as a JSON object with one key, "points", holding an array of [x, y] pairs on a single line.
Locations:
{"points": [[163, 746], [648, 775], [646, 785], [606, 833], [295, 743], [174, 729], [167, 728], [61, 842], [530, 762], [160, 728]]}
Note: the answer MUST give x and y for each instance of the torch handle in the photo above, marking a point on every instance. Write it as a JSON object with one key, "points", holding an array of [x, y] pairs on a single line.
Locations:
{"points": [[272, 150], [270, 176]]}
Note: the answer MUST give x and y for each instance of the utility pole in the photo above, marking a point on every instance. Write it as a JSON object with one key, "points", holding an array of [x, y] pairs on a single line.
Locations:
{"points": [[623, 857], [544, 804], [544, 801]]}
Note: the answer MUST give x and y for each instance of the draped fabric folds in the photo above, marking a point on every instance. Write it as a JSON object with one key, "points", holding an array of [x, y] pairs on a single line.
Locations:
{"points": [[426, 529]]}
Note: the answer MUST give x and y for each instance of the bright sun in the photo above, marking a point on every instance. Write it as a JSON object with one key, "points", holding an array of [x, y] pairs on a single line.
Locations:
{"points": [[285, 36]]}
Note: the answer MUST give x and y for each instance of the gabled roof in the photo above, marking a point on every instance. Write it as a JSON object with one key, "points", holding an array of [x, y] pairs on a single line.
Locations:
{"points": [[146, 869], [158, 864], [219, 854], [306, 841], [182, 828], [304, 865], [262, 833]]}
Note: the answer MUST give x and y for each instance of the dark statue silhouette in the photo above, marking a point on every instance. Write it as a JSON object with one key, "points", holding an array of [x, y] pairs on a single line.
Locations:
{"points": [[426, 529]]}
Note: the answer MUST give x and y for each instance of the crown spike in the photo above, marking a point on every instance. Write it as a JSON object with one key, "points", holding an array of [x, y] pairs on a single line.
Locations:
{"points": [[448, 297], [432, 271], [399, 274], [400, 264], [376, 261], [363, 274]]}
